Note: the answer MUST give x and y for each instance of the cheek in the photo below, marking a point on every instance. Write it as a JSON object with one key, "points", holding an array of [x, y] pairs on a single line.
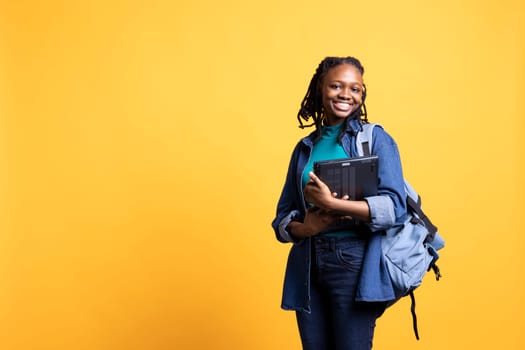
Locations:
{"points": [[326, 97], [329, 95]]}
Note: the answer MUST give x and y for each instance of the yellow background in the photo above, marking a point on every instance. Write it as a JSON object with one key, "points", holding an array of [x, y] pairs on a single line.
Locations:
{"points": [[144, 144]]}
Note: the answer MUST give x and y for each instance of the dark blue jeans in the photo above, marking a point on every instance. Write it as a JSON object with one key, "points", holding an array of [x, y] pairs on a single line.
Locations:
{"points": [[336, 321]]}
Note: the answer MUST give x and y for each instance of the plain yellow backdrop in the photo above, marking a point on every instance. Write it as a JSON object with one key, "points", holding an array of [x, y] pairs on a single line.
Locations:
{"points": [[144, 144]]}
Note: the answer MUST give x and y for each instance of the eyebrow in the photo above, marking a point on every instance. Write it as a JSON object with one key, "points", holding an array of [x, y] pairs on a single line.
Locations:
{"points": [[351, 83]]}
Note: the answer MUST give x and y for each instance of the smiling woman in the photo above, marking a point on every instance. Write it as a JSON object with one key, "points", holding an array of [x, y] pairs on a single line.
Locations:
{"points": [[342, 92], [326, 261]]}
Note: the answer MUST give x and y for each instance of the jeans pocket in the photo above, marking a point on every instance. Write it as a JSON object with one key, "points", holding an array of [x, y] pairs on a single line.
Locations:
{"points": [[351, 258]]}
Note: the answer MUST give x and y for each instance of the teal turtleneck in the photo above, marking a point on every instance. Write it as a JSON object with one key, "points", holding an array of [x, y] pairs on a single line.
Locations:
{"points": [[326, 148]]}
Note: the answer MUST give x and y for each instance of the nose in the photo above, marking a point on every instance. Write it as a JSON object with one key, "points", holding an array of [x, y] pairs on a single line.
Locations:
{"points": [[344, 94]]}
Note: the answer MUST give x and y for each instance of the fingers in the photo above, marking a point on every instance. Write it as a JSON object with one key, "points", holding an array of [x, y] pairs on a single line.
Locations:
{"points": [[345, 197]]}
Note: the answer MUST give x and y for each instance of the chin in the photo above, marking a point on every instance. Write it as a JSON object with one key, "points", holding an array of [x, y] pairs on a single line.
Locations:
{"points": [[343, 116]]}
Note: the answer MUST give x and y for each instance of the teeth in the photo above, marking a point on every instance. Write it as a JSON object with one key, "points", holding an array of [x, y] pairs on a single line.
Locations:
{"points": [[342, 104]]}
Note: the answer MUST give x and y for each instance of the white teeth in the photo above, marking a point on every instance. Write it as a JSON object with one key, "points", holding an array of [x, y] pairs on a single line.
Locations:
{"points": [[343, 105]]}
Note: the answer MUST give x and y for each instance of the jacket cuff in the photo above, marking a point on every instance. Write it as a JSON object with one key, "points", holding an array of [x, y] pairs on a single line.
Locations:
{"points": [[382, 215], [285, 235]]}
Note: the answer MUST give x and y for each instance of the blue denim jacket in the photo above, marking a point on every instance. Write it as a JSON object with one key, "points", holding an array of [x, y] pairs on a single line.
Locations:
{"points": [[387, 209]]}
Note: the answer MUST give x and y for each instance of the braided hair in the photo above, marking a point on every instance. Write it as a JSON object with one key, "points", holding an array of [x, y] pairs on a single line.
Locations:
{"points": [[312, 105]]}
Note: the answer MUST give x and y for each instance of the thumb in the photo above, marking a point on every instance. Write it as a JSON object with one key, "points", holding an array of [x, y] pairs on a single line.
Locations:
{"points": [[314, 178]]}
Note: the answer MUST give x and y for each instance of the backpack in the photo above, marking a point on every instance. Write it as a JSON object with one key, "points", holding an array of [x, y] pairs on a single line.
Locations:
{"points": [[409, 250]]}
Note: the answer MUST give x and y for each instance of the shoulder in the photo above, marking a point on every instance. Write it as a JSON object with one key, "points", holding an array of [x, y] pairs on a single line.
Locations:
{"points": [[303, 144], [307, 141], [380, 135]]}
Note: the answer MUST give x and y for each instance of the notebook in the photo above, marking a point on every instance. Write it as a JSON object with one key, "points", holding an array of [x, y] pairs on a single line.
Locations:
{"points": [[356, 177]]}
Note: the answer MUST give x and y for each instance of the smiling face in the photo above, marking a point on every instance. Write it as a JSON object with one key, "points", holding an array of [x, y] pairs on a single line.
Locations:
{"points": [[342, 92]]}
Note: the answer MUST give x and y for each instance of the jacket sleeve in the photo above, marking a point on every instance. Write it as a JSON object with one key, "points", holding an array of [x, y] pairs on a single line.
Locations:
{"points": [[388, 208], [289, 207]]}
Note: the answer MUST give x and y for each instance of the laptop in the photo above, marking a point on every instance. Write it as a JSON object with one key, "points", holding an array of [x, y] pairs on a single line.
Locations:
{"points": [[355, 177]]}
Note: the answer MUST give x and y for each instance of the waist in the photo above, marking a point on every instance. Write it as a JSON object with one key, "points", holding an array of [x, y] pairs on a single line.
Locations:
{"points": [[346, 228], [346, 233], [323, 242]]}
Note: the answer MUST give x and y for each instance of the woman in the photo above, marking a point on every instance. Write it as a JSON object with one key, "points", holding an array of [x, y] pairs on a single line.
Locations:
{"points": [[334, 278]]}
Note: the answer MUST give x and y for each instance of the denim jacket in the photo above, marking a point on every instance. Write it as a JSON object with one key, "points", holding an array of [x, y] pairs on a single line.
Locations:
{"points": [[387, 208]]}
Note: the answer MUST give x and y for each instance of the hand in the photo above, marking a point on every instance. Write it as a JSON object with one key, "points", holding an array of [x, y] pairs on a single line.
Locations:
{"points": [[315, 221], [318, 193]]}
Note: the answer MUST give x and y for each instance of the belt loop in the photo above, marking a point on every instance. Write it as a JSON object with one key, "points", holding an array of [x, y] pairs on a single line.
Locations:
{"points": [[332, 244]]}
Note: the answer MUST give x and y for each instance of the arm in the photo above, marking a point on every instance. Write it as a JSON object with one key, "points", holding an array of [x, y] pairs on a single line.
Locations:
{"points": [[292, 222], [290, 207], [318, 193], [388, 208], [315, 220]]}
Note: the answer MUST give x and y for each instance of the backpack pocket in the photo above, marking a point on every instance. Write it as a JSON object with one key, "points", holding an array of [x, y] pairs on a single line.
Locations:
{"points": [[406, 257]]}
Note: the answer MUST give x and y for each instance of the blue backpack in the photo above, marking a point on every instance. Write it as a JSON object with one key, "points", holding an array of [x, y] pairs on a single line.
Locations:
{"points": [[409, 250]]}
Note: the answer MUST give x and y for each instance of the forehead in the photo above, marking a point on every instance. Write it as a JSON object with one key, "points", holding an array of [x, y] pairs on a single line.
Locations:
{"points": [[345, 73]]}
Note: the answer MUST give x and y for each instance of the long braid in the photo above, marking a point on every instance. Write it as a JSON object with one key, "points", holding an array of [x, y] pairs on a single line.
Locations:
{"points": [[312, 105]]}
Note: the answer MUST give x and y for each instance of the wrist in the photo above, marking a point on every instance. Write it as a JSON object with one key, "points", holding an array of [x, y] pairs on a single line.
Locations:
{"points": [[300, 230], [330, 204]]}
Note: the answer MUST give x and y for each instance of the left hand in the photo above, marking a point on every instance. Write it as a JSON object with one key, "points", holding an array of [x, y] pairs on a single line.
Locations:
{"points": [[318, 193]]}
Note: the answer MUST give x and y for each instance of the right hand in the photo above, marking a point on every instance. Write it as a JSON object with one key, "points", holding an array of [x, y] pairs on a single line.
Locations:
{"points": [[315, 221]]}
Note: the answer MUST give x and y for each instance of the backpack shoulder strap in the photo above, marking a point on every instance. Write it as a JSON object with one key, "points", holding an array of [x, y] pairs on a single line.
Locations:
{"points": [[414, 203], [364, 140]]}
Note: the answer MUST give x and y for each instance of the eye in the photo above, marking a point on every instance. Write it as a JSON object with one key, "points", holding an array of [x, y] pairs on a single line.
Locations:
{"points": [[356, 89], [335, 86]]}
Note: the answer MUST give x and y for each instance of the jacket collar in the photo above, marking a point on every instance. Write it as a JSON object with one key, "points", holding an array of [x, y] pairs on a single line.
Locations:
{"points": [[353, 126]]}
